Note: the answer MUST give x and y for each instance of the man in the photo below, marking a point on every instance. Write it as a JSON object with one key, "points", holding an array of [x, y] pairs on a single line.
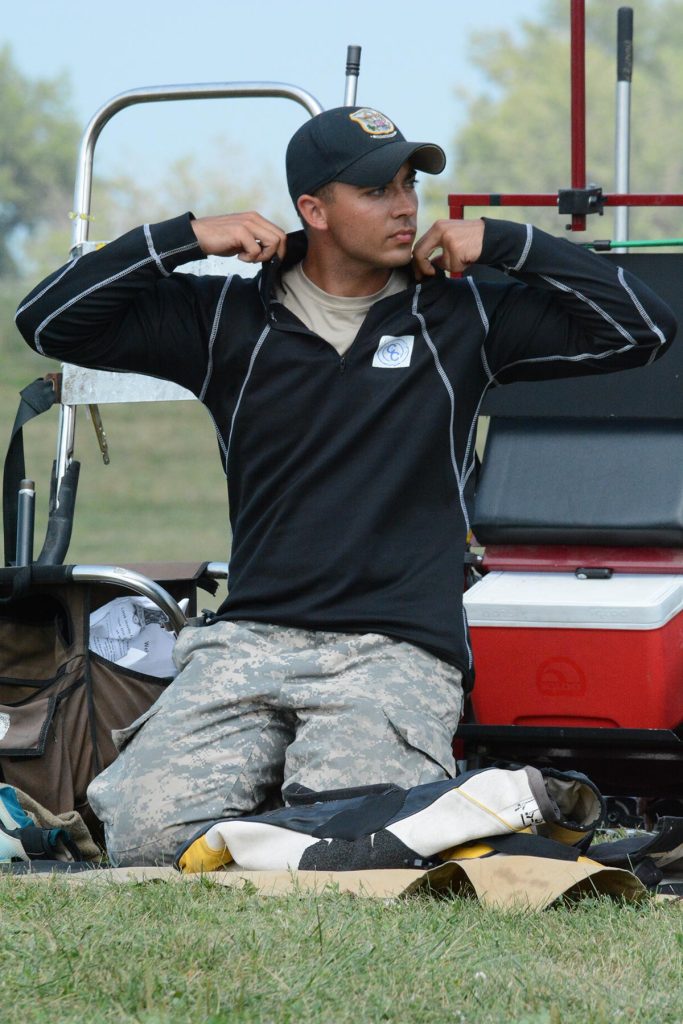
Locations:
{"points": [[344, 383]]}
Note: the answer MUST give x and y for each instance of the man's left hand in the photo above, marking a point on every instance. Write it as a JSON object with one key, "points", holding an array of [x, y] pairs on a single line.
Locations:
{"points": [[459, 242]]}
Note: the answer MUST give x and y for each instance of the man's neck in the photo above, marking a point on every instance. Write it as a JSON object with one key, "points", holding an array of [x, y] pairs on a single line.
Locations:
{"points": [[342, 277]]}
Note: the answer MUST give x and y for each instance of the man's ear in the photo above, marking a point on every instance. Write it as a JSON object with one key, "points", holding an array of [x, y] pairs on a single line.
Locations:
{"points": [[312, 211]]}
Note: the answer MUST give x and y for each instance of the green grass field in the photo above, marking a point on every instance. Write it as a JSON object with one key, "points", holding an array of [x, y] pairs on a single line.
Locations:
{"points": [[155, 952]]}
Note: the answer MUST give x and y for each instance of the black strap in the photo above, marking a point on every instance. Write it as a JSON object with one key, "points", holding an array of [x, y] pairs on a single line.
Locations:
{"points": [[36, 398], [297, 795], [47, 843], [369, 808], [528, 845], [668, 836]]}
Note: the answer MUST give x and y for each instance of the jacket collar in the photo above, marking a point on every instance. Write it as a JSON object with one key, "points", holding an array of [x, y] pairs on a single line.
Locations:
{"points": [[297, 245]]}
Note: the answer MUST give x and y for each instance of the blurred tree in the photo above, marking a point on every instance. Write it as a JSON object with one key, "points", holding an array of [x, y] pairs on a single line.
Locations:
{"points": [[38, 139], [516, 137]]}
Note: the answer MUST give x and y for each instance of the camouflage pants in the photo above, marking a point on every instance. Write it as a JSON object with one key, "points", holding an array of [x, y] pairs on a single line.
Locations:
{"points": [[256, 705]]}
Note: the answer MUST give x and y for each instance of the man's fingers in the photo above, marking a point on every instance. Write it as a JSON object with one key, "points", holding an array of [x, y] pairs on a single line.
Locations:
{"points": [[247, 235], [422, 266], [271, 238], [247, 246], [457, 244], [272, 245]]}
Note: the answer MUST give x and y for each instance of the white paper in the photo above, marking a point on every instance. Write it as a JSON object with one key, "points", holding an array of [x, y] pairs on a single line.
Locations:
{"points": [[129, 631]]}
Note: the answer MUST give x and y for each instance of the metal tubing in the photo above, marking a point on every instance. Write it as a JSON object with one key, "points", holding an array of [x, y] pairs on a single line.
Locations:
{"points": [[65, 444], [458, 202], [578, 102], [622, 154], [135, 581], [26, 507], [161, 94], [352, 72]]}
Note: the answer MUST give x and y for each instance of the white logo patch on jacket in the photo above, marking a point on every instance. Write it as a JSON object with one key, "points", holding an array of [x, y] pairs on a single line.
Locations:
{"points": [[393, 353]]}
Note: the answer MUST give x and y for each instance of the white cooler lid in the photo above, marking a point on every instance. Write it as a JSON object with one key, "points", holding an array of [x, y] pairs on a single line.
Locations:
{"points": [[537, 599]]}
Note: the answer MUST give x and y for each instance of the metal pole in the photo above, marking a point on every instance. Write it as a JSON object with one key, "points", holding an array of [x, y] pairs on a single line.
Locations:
{"points": [[578, 102], [160, 94], [623, 122], [25, 522], [65, 444], [352, 72]]}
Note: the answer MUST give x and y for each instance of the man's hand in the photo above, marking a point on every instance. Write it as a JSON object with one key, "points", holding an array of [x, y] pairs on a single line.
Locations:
{"points": [[460, 242], [249, 236]]}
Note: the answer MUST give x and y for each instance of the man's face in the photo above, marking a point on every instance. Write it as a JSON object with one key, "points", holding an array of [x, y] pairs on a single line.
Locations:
{"points": [[374, 226]]}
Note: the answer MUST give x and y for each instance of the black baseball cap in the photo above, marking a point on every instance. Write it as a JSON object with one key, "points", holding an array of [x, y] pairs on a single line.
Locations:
{"points": [[356, 145]]}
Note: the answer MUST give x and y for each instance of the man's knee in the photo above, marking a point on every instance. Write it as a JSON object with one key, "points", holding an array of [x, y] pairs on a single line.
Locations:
{"points": [[139, 824]]}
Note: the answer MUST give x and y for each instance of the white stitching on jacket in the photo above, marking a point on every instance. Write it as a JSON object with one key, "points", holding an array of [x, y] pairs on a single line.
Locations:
{"points": [[485, 322], [480, 304], [88, 291], [525, 251], [97, 286], [212, 337], [257, 349], [569, 359], [47, 287], [449, 389], [641, 309], [152, 251], [593, 305]]}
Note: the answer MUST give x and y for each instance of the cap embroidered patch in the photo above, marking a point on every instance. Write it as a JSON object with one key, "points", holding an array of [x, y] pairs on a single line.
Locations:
{"points": [[4, 724], [374, 123]]}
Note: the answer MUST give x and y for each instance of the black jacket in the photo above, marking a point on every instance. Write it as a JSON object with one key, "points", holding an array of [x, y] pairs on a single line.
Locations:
{"points": [[347, 476]]}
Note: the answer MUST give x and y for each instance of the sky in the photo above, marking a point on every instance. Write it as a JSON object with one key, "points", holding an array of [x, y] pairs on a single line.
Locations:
{"points": [[415, 56]]}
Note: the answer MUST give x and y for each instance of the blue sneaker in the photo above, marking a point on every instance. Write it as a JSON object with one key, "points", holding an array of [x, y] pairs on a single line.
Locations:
{"points": [[21, 839], [13, 818]]}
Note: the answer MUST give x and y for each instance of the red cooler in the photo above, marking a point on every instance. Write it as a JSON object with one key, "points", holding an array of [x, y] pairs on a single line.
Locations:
{"points": [[553, 649]]}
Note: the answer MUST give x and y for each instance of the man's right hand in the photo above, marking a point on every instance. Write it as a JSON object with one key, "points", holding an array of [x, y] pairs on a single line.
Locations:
{"points": [[249, 236]]}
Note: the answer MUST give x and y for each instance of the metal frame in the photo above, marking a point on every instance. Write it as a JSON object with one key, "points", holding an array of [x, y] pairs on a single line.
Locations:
{"points": [[459, 201], [84, 175], [621, 198], [120, 577], [163, 94]]}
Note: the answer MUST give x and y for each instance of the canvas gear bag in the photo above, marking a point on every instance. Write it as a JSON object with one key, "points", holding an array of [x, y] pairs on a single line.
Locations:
{"points": [[59, 701], [535, 812]]}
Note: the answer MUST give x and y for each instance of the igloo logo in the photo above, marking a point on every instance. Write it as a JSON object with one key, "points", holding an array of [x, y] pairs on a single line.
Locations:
{"points": [[560, 677]]}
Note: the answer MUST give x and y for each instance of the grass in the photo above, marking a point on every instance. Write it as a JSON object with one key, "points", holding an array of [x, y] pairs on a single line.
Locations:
{"points": [[154, 951]]}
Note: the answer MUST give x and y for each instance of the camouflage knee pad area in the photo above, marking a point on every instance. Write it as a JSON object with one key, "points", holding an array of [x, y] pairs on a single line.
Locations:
{"points": [[256, 705]]}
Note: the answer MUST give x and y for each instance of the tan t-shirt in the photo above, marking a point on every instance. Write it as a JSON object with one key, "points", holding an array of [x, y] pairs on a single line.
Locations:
{"points": [[336, 318]]}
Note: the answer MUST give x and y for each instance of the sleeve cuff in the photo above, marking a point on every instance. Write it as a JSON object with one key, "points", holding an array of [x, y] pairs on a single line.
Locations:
{"points": [[506, 244], [172, 243]]}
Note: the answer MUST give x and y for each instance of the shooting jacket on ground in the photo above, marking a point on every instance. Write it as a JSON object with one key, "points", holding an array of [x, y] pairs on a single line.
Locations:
{"points": [[389, 827], [348, 477]]}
